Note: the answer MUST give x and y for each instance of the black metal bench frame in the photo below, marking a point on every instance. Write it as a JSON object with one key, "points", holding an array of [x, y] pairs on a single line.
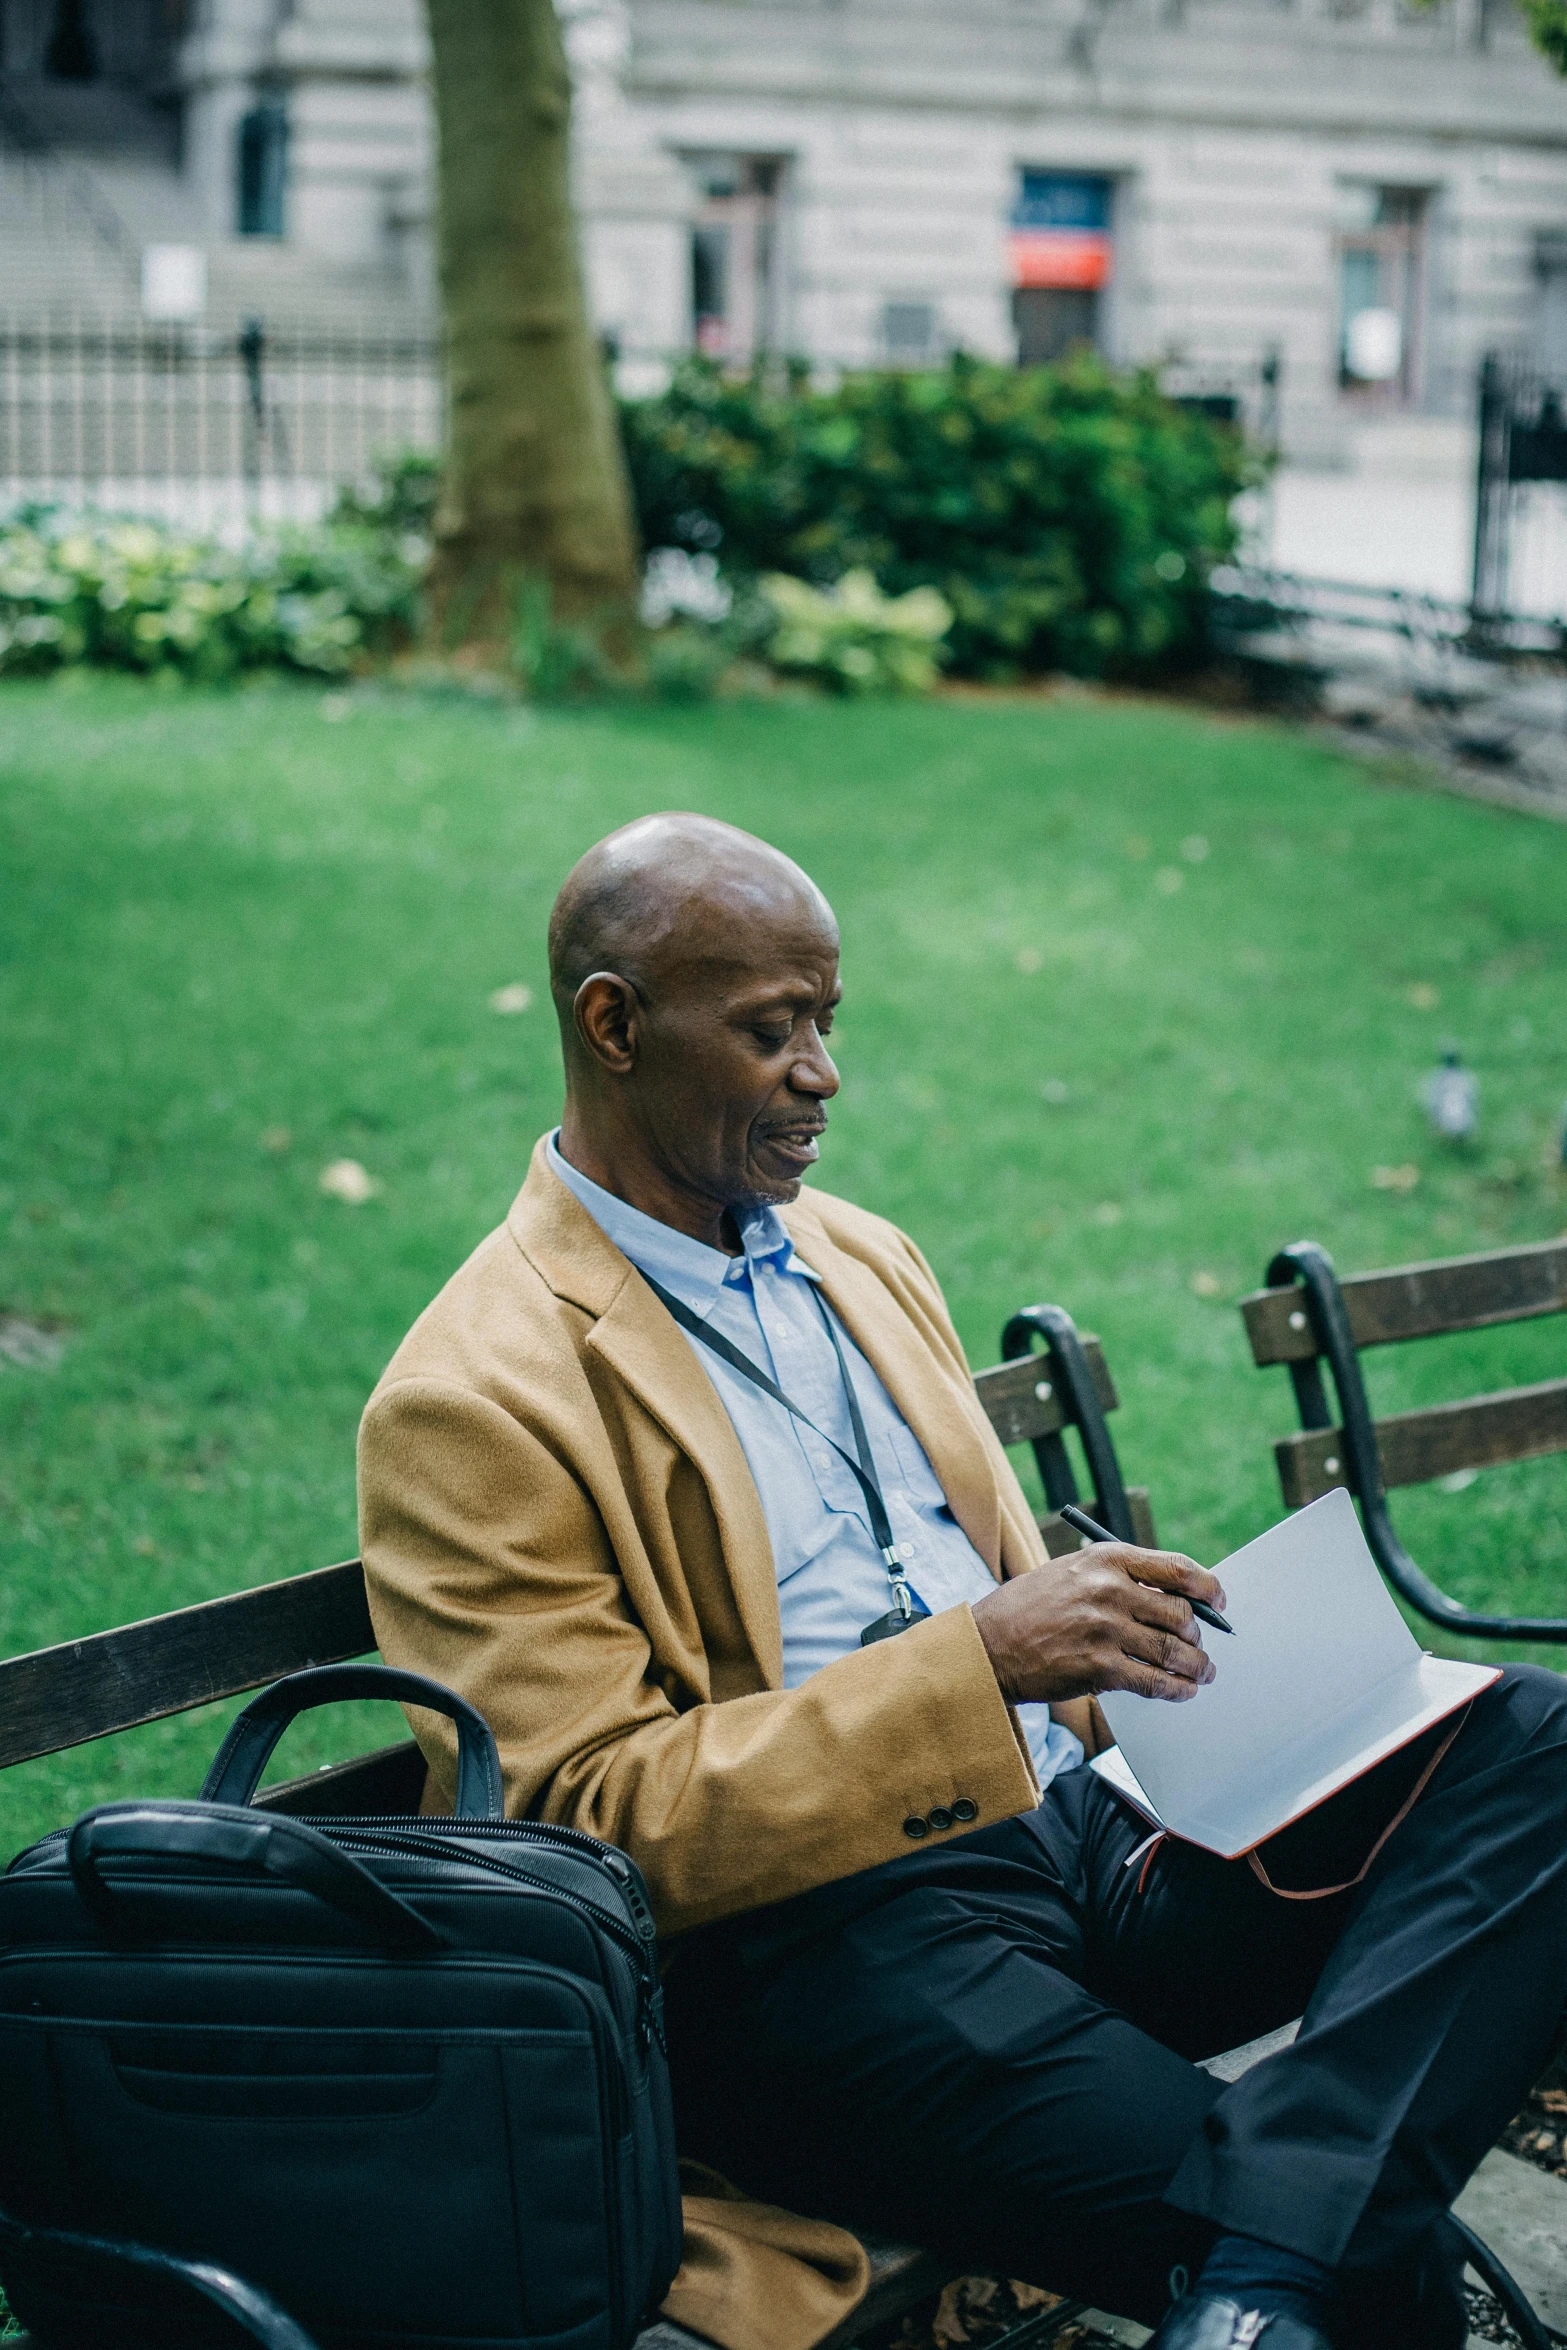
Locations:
{"points": [[1307, 1316]]}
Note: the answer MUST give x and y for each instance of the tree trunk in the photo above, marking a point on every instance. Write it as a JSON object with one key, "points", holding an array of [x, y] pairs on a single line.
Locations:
{"points": [[535, 483]]}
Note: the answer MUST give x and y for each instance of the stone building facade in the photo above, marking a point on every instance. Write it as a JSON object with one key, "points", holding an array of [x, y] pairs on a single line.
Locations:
{"points": [[1374, 191]]}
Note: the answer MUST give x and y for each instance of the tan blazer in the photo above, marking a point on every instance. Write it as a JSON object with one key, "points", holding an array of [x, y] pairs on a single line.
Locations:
{"points": [[559, 1523]]}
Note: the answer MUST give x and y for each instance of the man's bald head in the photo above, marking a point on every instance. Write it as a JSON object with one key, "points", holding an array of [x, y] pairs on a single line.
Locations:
{"points": [[665, 894], [695, 972]]}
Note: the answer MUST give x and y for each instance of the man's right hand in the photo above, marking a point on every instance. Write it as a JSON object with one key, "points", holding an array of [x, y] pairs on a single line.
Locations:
{"points": [[1109, 1617]]}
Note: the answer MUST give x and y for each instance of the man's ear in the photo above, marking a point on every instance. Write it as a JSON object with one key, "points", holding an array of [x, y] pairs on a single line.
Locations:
{"points": [[606, 1011]]}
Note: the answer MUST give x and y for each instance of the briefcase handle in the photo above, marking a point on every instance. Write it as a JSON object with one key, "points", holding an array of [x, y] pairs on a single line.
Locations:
{"points": [[232, 1842], [240, 1760]]}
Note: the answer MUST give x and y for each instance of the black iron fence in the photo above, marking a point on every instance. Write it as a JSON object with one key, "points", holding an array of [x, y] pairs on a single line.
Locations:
{"points": [[208, 428], [1252, 598], [1523, 442]]}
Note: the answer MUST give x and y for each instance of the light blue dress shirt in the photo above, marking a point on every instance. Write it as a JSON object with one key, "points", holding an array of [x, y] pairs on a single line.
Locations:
{"points": [[831, 1579]]}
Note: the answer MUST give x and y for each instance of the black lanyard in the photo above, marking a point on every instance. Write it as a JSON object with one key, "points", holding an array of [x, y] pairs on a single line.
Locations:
{"points": [[903, 1611]]}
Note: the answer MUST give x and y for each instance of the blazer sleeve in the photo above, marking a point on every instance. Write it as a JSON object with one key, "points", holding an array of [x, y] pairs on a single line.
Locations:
{"points": [[490, 1567]]}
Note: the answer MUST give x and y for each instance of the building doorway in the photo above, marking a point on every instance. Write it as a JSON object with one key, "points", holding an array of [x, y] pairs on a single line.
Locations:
{"points": [[736, 294], [1381, 285], [1061, 248]]}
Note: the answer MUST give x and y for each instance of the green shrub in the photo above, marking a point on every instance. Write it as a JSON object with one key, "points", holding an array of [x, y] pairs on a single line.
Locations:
{"points": [[1068, 515], [854, 638], [145, 595]]}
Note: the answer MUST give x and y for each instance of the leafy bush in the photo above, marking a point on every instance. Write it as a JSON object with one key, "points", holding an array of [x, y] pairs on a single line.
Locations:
{"points": [[143, 595], [401, 506], [1068, 515], [853, 637]]}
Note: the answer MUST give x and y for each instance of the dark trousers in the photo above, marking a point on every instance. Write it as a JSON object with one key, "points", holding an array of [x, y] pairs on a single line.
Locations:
{"points": [[989, 2047]]}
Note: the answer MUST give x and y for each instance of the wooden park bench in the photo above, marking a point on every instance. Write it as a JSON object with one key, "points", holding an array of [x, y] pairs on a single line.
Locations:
{"points": [[117, 1680], [92, 1688], [1307, 1317]]}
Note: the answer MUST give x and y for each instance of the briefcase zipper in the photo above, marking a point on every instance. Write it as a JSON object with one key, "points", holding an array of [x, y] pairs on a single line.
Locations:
{"points": [[632, 1942], [546, 1832]]}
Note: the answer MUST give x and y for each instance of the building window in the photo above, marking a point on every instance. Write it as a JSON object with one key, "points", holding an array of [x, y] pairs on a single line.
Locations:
{"points": [[1550, 318], [908, 333], [736, 297], [72, 53], [1062, 255], [1381, 240], [263, 160]]}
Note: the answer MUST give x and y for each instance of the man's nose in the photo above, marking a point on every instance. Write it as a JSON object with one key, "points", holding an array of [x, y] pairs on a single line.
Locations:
{"points": [[816, 1072]]}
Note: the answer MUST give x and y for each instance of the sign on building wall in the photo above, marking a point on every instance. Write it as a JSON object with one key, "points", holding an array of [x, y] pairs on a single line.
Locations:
{"points": [[1060, 232]]}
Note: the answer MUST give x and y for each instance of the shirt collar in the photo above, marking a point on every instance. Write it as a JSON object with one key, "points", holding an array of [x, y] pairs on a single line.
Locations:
{"points": [[692, 1271]]}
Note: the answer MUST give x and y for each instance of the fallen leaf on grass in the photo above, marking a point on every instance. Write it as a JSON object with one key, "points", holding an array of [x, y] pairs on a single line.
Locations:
{"points": [[1207, 1285], [29, 1346], [515, 998], [1423, 996], [346, 1180], [276, 1138], [1395, 1178]]}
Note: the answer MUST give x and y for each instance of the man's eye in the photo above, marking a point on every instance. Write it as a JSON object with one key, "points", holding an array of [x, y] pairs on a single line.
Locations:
{"points": [[774, 1038]]}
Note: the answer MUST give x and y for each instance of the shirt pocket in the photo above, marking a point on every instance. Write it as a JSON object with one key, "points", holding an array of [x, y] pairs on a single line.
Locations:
{"points": [[799, 1544]]}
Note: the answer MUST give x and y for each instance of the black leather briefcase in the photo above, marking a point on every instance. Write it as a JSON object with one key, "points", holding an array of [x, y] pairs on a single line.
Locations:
{"points": [[407, 2075]]}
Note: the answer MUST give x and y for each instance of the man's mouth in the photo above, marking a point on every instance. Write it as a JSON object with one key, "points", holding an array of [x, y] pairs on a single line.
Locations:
{"points": [[797, 1144]]}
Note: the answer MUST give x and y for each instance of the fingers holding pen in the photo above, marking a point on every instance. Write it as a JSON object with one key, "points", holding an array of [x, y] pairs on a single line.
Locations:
{"points": [[1096, 1620], [1166, 1570]]}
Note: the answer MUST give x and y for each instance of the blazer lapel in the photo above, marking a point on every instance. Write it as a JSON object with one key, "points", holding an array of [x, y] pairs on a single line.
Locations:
{"points": [[635, 1336], [940, 1415]]}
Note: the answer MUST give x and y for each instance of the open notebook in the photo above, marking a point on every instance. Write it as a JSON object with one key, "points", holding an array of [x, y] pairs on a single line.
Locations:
{"points": [[1322, 1680]]}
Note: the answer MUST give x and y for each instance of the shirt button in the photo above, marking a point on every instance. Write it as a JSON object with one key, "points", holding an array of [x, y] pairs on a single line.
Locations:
{"points": [[965, 1809], [916, 1827], [940, 1817]]}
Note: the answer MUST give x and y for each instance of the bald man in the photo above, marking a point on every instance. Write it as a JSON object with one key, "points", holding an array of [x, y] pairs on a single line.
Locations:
{"points": [[682, 1480]]}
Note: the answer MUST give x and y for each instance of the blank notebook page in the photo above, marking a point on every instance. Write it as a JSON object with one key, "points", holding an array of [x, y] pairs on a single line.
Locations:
{"points": [[1322, 1680]]}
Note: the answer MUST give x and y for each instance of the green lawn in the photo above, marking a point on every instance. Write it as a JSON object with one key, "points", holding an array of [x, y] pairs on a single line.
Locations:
{"points": [[246, 935]]}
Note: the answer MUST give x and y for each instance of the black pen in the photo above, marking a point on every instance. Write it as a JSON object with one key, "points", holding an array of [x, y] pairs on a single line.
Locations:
{"points": [[1081, 1523]]}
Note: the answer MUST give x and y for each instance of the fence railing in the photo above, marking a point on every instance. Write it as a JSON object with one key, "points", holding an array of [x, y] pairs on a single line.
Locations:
{"points": [[210, 429], [1252, 598]]}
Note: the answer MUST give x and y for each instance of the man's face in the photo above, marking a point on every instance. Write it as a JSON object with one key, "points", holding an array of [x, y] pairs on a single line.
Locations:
{"points": [[732, 1076]]}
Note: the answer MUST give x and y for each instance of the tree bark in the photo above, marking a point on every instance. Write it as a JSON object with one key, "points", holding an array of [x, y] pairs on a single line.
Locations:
{"points": [[535, 483]]}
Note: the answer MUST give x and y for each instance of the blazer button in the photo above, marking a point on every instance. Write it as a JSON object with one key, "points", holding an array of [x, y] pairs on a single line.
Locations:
{"points": [[940, 1817], [916, 1827], [965, 1809]]}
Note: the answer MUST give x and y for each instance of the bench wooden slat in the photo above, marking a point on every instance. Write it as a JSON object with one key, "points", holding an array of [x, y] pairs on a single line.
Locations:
{"points": [[1518, 1424], [1020, 1397], [1061, 1539], [1417, 1301], [82, 1689]]}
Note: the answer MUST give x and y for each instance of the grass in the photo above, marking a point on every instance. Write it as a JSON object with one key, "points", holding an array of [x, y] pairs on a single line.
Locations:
{"points": [[1134, 995]]}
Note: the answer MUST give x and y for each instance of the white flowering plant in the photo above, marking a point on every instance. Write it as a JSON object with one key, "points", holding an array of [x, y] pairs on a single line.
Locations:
{"points": [[855, 639]]}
